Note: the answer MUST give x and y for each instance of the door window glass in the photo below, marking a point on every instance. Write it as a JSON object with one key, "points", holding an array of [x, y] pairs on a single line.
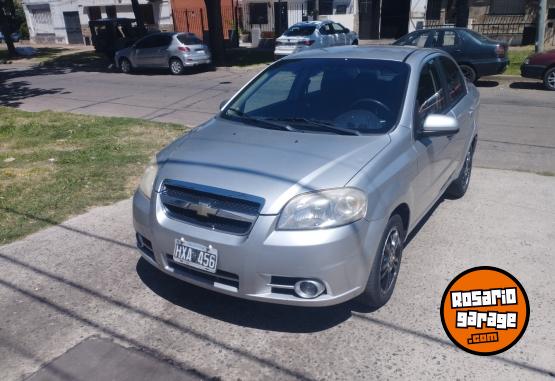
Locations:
{"points": [[326, 29], [430, 98], [450, 38], [456, 88], [147, 42], [337, 28]]}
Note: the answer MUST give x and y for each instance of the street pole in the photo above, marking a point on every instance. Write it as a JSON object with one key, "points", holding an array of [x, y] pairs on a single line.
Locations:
{"points": [[541, 26]]}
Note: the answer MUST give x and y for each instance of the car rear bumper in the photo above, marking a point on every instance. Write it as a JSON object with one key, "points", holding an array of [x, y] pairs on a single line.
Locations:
{"points": [[491, 67], [249, 266], [532, 71]]}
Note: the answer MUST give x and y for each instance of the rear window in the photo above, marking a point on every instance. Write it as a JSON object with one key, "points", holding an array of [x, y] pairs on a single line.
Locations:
{"points": [[479, 37], [188, 39], [300, 30]]}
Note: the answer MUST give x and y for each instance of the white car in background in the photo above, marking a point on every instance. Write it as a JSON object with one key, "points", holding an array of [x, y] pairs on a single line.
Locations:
{"points": [[313, 34]]}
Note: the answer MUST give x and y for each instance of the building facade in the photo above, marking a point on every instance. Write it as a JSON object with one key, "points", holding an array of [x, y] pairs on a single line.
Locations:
{"points": [[66, 21]]}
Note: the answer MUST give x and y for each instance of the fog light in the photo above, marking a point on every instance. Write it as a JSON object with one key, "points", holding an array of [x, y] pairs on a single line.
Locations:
{"points": [[309, 289]]}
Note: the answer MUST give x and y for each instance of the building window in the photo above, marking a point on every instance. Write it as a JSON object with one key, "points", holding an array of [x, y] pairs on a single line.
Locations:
{"points": [[111, 12], [433, 10], [258, 13], [41, 15], [148, 13], [94, 13], [326, 7], [507, 7]]}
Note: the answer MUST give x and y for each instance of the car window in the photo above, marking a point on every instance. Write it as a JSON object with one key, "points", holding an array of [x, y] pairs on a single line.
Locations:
{"points": [[300, 30], [161, 40], [189, 39], [146, 42], [456, 88], [417, 39], [450, 38], [430, 98], [362, 95], [326, 29], [337, 28], [274, 89]]}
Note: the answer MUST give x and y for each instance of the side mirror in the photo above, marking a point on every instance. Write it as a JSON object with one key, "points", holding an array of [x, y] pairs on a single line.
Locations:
{"points": [[222, 104], [439, 125]]}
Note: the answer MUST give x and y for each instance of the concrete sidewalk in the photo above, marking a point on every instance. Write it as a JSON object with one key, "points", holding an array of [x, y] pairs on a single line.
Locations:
{"points": [[84, 279]]}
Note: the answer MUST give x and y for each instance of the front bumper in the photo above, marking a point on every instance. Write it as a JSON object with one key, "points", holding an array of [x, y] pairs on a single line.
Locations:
{"points": [[247, 265], [532, 71]]}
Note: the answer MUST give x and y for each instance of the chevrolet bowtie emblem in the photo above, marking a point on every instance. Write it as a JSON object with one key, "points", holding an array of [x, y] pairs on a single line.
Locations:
{"points": [[203, 209]]}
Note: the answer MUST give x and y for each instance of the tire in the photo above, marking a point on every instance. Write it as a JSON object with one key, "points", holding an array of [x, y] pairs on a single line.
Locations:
{"points": [[125, 66], [549, 79], [469, 73], [176, 66], [355, 42], [385, 269], [458, 188]]}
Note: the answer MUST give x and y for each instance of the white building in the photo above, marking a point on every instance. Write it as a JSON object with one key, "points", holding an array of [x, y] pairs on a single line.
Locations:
{"points": [[66, 21], [372, 19]]}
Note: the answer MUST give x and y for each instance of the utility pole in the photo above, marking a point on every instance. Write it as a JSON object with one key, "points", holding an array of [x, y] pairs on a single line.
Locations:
{"points": [[540, 40]]}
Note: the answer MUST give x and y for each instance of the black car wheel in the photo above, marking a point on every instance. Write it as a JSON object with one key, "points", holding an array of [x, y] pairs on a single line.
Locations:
{"points": [[458, 188], [385, 268], [469, 73], [125, 66], [549, 79], [176, 66]]}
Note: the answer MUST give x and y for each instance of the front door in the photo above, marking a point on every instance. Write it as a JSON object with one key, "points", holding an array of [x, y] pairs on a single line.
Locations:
{"points": [[280, 18], [73, 28]]}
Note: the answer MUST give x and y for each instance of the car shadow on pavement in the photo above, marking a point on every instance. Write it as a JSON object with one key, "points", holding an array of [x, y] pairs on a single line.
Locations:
{"points": [[528, 86], [486, 83]]}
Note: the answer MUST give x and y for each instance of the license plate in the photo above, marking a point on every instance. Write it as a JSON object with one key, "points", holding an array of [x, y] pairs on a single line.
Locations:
{"points": [[195, 255]]}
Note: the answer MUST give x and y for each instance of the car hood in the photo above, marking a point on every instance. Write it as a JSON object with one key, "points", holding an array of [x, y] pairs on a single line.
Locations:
{"points": [[273, 165]]}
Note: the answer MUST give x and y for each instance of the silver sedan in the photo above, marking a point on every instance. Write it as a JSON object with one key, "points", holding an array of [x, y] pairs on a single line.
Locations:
{"points": [[164, 50], [303, 189]]}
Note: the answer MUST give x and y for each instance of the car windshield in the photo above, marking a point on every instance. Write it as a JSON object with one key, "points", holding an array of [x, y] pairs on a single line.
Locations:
{"points": [[300, 30], [328, 95]]}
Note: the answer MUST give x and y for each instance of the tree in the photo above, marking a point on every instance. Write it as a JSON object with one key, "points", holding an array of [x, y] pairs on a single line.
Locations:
{"points": [[8, 24], [215, 30]]}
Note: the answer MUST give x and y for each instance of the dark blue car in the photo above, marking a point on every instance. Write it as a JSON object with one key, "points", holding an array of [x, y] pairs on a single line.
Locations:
{"points": [[477, 55], [15, 37]]}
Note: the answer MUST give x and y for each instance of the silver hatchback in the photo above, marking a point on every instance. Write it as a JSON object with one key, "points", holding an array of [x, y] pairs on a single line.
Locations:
{"points": [[303, 189], [164, 50]]}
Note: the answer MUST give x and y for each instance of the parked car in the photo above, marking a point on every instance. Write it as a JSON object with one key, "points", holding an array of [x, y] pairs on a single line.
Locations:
{"points": [[303, 188], [477, 55], [15, 37], [540, 66], [164, 50], [312, 35]]}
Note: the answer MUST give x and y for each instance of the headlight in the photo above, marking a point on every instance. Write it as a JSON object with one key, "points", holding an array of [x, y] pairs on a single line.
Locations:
{"points": [[147, 181], [526, 61], [323, 209]]}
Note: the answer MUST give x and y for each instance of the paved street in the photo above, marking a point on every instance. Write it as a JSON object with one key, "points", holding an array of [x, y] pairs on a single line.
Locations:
{"points": [[77, 294], [517, 128], [84, 278]]}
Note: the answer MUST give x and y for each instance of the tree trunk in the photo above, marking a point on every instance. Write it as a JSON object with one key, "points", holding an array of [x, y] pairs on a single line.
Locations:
{"points": [[215, 30], [8, 24], [11, 47]]}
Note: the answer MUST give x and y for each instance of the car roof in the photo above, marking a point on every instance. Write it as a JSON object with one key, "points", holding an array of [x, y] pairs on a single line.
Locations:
{"points": [[377, 52], [316, 22]]}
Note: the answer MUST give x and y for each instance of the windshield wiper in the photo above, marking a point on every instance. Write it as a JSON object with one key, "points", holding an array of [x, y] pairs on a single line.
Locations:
{"points": [[261, 122], [317, 125]]}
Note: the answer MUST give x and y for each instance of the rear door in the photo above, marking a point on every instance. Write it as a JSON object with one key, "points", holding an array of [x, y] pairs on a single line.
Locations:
{"points": [[144, 51], [450, 41], [160, 55], [460, 107], [326, 33]]}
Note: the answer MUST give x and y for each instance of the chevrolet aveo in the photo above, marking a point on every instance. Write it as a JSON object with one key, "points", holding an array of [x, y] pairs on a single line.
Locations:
{"points": [[303, 188]]}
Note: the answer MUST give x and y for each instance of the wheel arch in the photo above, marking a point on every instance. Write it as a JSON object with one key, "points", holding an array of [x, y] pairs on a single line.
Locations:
{"points": [[403, 211]]}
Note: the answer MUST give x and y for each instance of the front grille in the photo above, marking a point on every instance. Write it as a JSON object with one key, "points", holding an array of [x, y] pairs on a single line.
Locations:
{"points": [[210, 208], [219, 277]]}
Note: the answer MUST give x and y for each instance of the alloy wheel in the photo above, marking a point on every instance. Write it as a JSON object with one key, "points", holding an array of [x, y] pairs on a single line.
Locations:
{"points": [[551, 79], [125, 66], [176, 66], [467, 168], [391, 260], [468, 73]]}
